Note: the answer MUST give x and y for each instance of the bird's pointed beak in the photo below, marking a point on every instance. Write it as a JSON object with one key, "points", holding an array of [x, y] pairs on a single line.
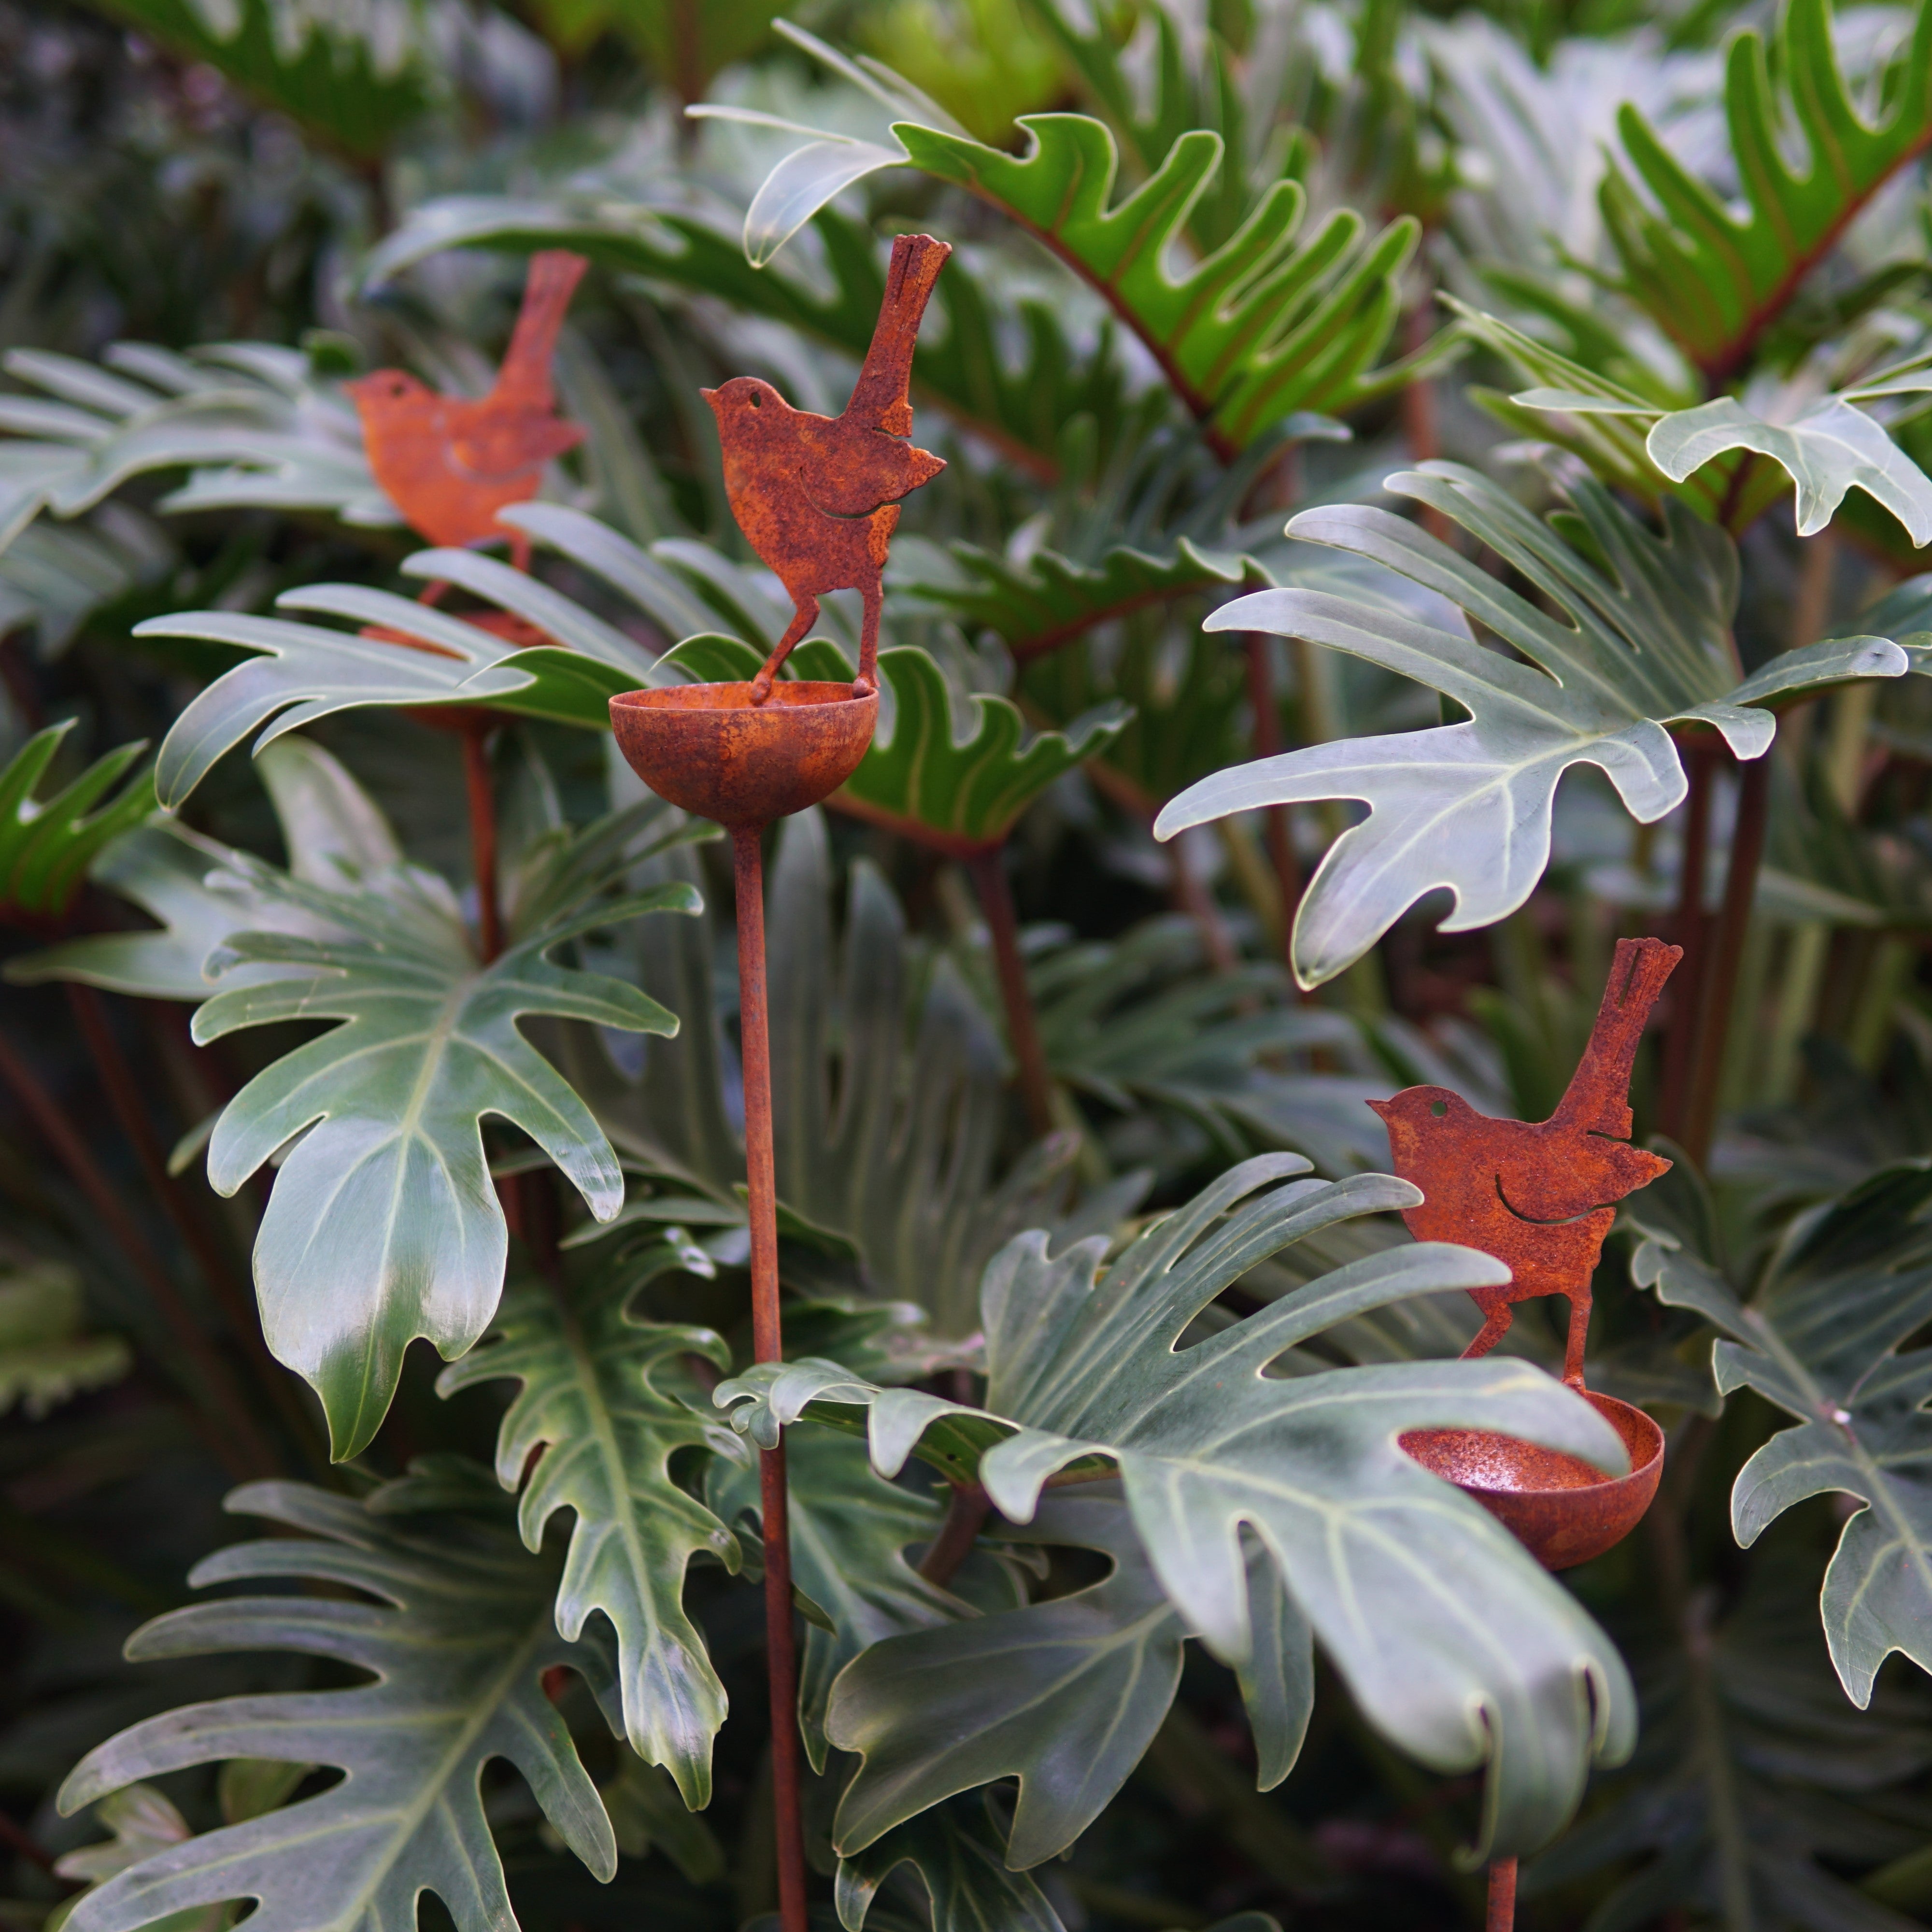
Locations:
{"points": [[1381, 1107], [711, 397]]}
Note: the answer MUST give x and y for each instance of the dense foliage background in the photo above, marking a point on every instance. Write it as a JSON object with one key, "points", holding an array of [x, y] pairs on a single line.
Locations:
{"points": [[1587, 343]]}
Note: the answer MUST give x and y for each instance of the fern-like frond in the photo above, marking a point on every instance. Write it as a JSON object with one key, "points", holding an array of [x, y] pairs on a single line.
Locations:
{"points": [[1714, 280]]}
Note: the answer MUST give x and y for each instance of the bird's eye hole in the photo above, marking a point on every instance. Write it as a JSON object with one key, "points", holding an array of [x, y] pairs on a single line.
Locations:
{"points": [[758, 400], [1438, 1108]]}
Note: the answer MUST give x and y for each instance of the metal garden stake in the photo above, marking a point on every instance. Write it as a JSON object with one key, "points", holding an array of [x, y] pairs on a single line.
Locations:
{"points": [[814, 497], [1541, 1197]]}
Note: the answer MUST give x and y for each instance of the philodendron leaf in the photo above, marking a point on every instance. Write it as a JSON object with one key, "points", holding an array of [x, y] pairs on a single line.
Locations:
{"points": [[959, 791], [46, 845], [142, 1822], [1751, 1799], [249, 420], [1021, 405], [304, 672], [1828, 449], [191, 884], [1066, 1696], [851, 1530], [958, 1854], [1467, 806], [591, 1431], [46, 1353], [456, 1640], [1714, 277], [383, 1224], [1473, 1655], [888, 1122], [1036, 606], [1820, 1338], [1607, 424], [1260, 330]]}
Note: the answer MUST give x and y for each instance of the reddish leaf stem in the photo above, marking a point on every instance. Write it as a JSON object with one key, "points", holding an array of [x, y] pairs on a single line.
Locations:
{"points": [[988, 869], [1277, 833], [965, 1515], [768, 1345], [242, 1447], [232, 1295], [482, 799]]}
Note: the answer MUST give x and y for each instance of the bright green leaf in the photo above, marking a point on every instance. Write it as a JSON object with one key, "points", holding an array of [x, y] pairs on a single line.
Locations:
{"points": [[47, 845]]}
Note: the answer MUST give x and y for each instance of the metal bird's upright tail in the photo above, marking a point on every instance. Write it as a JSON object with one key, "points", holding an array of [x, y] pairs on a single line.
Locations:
{"points": [[524, 378], [880, 397], [1596, 1101]]}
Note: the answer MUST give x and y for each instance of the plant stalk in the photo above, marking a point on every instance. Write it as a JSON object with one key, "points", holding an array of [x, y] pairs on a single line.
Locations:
{"points": [[965, 1514], [1719, 980], [236, 1302], [482, 801], [1700, 758], [768, 1345], [988, 869], [243, 1449]]}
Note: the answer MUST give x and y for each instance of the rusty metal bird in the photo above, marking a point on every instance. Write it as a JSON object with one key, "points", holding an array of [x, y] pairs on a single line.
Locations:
{"points": [[817, 496], [449, 463], [1537, 1196]]}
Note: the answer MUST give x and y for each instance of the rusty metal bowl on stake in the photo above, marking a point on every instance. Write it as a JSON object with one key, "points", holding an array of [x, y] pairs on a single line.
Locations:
{"points": [[1562, 1509], [709, 748]]}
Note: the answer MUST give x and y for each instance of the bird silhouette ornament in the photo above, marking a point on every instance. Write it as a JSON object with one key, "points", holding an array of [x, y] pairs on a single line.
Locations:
{"points": [[1539, 1197], [817, 496], [449, 463]]}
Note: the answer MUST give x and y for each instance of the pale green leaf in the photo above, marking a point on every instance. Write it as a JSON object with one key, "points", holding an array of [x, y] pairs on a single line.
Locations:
{"points": [[1467, 807], [1498, 1666], [591, 1431], [1825, 451], [456, 1641]]}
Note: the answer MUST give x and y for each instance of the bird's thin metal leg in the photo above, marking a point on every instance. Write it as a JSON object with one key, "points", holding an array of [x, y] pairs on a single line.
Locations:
{"points": [[802, 619], [1493, 1330], [867, 681], [1579, 1329]]}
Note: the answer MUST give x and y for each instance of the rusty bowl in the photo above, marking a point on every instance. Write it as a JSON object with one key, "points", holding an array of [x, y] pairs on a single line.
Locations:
{"points": [[1562, 1509], [709, 748]]}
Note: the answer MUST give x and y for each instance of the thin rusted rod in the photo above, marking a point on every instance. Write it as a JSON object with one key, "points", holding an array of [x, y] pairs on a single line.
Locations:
{"points": [[1700, 759], [768, 1345], [965, 1514], [988, 869], [245, 1450], [482, 800], [236, 1303], [1501, 1915], [1720, 979]]}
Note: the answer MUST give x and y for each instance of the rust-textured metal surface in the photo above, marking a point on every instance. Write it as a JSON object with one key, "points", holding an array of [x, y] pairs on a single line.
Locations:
{"points": [[1538, 1196], [817, 496], [768, 1345], [709, 748], [1563, 1510], [449, 463], [1541, 1197]]}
